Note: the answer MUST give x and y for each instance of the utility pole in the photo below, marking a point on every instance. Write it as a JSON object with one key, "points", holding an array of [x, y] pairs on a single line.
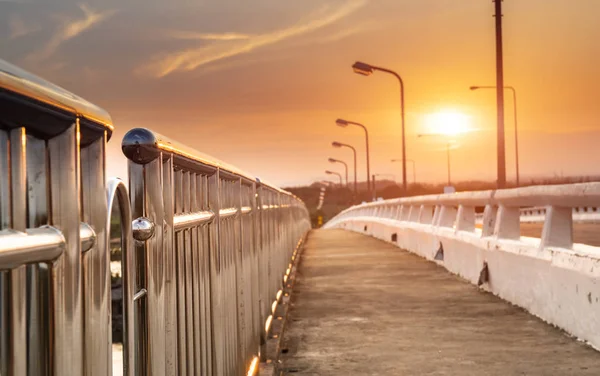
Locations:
{"points": [[500, 96], [374, 189]]}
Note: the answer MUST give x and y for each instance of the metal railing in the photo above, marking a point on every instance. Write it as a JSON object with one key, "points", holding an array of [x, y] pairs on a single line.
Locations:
{"points": [[202, 262], [212, 263]]}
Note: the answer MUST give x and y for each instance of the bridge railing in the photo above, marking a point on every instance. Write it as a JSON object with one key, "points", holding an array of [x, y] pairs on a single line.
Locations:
{"points": [[537, 214], [200, 280], [552, 276], [214, 244]]}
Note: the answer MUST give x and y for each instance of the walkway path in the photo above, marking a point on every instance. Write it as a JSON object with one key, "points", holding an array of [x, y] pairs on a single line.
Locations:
{"points": [[364, 307]]}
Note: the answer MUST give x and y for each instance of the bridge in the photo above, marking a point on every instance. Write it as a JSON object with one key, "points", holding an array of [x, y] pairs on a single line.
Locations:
{"points": [[222, 275]]}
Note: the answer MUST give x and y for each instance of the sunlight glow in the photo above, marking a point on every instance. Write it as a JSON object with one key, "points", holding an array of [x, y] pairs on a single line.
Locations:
{"points": [[449, 123]]}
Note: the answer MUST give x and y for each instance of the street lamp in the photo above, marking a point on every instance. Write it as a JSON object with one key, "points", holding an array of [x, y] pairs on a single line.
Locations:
{"points": [[344, 123], [333, 160], [335, 173], [413, 168], [514, 92], [447, 153], [368, 69], [336, 144]]}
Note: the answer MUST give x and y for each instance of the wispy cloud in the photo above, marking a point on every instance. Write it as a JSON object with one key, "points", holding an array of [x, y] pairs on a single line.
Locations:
{"points": [[192, 35], [18, 28], [71, 29], [192, 58]]}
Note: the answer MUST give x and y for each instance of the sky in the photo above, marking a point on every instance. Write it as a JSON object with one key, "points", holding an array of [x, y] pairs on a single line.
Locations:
{"points": [[260, 83]]}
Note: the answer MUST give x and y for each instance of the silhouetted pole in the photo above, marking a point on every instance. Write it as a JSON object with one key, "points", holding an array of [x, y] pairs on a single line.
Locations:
{"points": [[344, 123], [413, 167], [368, 69], [336, 144], [338, 175], [333, 160], [514, 92], [500, 95], [374, 188]]}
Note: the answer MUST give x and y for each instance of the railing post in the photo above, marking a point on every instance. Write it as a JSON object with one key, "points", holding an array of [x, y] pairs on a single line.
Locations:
{"points": [[465, 219], [489, 220], [447, 216], [508, 223], [426, 214], [558, 228]]}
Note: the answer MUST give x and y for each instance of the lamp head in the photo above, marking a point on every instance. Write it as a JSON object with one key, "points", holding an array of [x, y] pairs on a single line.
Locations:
{"points": [[332, 160], [363, 68], [336, 144], [474, 87], [341, 122], [329, 172]]}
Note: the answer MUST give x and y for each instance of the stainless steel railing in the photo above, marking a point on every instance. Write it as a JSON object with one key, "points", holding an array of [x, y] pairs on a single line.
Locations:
{"points": [[205, 247], [220, 246]]}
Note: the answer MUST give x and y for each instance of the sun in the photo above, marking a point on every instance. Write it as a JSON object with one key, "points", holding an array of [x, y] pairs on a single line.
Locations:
{"points": [[448, 123]]}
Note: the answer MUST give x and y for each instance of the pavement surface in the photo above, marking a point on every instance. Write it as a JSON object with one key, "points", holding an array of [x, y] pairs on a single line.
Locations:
{"points": [[361, 306]]}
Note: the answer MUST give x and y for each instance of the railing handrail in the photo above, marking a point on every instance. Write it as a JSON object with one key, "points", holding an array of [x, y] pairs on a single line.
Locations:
{"points": [[30, 86], [564, 195], [143, 145]]}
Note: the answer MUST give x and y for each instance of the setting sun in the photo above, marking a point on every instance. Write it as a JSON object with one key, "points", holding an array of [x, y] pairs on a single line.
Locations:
{"points": [[450, 123]]}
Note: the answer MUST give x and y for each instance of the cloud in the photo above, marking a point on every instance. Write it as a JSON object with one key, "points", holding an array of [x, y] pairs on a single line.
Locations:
{"points": [[192, 58], [71, 29], [191, 35], [18, 28]]}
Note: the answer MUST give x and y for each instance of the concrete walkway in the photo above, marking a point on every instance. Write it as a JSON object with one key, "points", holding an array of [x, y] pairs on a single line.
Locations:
{"points": [[364, 307]]}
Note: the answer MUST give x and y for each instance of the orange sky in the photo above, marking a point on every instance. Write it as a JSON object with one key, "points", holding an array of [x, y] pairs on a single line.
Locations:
{"points": [[259, 84]]}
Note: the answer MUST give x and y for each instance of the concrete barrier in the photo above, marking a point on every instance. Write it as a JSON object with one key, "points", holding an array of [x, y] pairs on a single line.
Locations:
{"points": [[551, 277]]}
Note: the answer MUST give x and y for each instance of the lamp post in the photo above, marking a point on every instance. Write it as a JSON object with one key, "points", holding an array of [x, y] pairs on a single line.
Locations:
{"points": [[336, 144], [514, 93], [500, 95], [368, 69], [413, 168], [335, 173], [333, 160], [344, 123], [447, 154]]}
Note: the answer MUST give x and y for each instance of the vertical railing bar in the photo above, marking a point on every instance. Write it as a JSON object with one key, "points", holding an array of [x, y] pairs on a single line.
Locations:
{"points": [[4, 224], [181, 277], [140, 347], [96, 263], [207, 280], [38, 293], [18, 275], [215, 283], [195, 267], [63, 152], [189, 275], [170, 275]]}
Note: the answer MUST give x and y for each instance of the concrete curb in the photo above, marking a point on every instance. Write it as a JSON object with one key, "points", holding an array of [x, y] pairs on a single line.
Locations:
{"points": [[271, 364]]}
